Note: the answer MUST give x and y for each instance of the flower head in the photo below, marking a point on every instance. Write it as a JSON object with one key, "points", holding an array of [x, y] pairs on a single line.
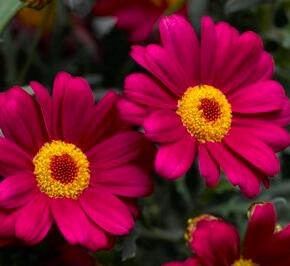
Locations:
{"points": [[138, 17], [68, 161], [213, 99], [216, 242]]}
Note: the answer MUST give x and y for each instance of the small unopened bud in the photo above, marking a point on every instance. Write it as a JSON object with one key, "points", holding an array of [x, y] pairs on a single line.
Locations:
{"points": [[36, 4]]}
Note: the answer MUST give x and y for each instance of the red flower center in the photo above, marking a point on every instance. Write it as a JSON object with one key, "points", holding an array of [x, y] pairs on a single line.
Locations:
{"points": [[210, 109], [63, 168]]}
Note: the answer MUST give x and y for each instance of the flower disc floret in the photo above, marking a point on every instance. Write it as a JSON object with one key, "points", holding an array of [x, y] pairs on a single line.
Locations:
{"points": [[244, 262], [206, 113], [61, 170]]}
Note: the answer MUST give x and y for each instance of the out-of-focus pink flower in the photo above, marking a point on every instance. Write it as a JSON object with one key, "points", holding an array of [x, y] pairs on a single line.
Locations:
{"points": [[68, 161], [217, 243], [137, 17], [213, 98]]}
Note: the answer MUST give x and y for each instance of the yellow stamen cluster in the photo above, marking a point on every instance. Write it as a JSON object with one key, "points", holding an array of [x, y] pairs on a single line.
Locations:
{"points": [[206, 113], [191, 225], [244, 262], [61, 170], [37, 4]]}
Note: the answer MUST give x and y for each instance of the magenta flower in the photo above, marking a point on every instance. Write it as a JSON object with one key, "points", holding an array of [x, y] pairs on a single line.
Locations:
{"points": [[212, 98], [137, 17], [69, 162], [217, 243]]}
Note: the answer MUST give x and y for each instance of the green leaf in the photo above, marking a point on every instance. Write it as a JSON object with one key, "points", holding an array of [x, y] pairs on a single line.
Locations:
{"points": [[8, 8], [232, 6]]}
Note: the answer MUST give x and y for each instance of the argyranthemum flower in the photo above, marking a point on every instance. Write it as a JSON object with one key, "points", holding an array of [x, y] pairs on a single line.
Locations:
{"points": [[212, 98], [137, 17], [217, 243], [69, 162]]}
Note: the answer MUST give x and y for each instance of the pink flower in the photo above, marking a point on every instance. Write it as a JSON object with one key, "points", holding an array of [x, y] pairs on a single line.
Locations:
{"points": [[212, 98], [137, 17], [69, 162], [217, 243]]}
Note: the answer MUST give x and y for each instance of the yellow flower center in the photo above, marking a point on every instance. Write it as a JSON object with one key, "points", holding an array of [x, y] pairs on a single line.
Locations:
{"points": [[61, 170], [244, 262], [206, 113]]}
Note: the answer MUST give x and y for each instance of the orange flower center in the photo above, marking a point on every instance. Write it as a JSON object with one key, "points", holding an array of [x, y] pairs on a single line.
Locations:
{"points": [[244, 262], [206, 113], [61, 170]]}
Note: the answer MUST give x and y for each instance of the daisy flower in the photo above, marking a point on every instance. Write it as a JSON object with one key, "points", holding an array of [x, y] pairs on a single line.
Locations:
{"points": [[212, 99], [217, 243], [137, 17], [69, 162]]}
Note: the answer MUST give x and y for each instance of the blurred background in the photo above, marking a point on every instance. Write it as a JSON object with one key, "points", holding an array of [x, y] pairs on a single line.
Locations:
{"points": [[68, 36]]}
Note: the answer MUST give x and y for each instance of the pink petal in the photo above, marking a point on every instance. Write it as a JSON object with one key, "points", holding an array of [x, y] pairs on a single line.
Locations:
{"points": [[45, 104], [237, 171], [208, 49], [34, 220], [107, 211], [16, 190], [131, 112], [126, 181], [174, 160], [179, 38], [163, 66], [261, 226], [117, 150], [142, 89], [215, 242], [266, 96], [21, 120], [208, 167], [101, 121], [164, 126], [7, 221], [274, 136], [253, 150], [244, 57], [13, 159], [70, 95], [76, 227]]}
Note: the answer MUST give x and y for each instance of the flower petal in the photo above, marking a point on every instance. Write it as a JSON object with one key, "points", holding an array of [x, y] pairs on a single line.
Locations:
{"points": [[208, 167], [174, 160], [261, 226], [142, 89], [13, 159], [188, 262], [127, 181], [16, 190], [107, 211], [253, 150], [117, 150], [179, 38], [164, 126], [274, 136], [67, 104], [266, 96], [215, 242], [237, 171], [21, 120], [76, 226], [34, 220], [131, 112]]}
